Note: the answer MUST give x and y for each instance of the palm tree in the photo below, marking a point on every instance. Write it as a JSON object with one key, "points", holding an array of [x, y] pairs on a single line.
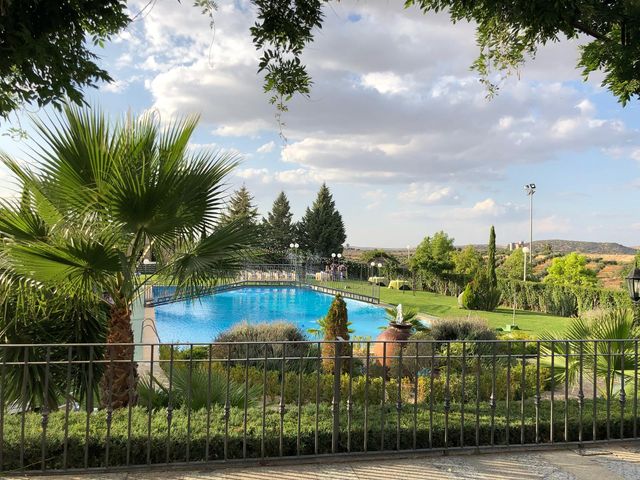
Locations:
{"points": [[603, 347], [101, 197]]}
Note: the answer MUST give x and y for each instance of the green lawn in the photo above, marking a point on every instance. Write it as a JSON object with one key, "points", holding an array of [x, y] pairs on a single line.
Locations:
{"points": [[447, 307]]}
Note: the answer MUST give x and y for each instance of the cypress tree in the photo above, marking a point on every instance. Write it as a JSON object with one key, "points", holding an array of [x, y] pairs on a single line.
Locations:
{"points": [[241, 208], [334, 325], [321, 229], [491, 261], [278, 230]]}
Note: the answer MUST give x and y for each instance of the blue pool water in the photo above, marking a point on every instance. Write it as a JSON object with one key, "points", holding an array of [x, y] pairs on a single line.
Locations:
{"points": [[201, 319]]}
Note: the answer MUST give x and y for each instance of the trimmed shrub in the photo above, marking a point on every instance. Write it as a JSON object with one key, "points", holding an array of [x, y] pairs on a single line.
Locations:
{"points": [[264, 334], [481, 294]]}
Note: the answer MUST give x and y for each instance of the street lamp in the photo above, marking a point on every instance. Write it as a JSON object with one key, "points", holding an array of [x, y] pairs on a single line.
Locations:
{"points": [[525, 250], [633, 285], [530, 189]]}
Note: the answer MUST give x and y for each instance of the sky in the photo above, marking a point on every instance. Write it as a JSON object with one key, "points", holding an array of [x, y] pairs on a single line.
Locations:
{"points": [[397, 124]]}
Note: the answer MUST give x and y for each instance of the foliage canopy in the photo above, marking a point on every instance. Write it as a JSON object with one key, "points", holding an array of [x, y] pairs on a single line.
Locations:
{"points": [[44, 57]]}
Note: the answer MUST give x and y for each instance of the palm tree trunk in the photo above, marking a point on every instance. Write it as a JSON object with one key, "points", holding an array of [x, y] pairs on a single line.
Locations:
{"points": [[120, 377]]}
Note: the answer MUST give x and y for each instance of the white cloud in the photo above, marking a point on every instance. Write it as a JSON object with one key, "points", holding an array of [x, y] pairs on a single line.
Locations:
{"points": [[385, 82], [375, 198], [586, 107], [117, 86], [488, 209], [267, 147], [428, 194]]}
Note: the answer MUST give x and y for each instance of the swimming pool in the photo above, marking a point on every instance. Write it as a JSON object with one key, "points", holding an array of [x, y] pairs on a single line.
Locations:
{"points": [[200, 320]]}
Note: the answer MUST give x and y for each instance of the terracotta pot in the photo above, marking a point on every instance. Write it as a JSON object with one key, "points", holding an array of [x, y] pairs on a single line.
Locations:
{"points": [[393, 334]]}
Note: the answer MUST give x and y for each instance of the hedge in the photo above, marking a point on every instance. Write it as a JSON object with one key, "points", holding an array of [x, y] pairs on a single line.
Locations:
{"points": [[195, 422], [559, 300], [541, 297]]}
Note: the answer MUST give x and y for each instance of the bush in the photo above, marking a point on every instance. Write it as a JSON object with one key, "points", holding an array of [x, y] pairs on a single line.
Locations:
{"points": [[481, 294], [448, 329], [264, 334]]}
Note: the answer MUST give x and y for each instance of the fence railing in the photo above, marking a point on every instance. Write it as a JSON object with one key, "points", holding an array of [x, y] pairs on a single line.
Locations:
{"points": [[317, 277], [88, 406]]}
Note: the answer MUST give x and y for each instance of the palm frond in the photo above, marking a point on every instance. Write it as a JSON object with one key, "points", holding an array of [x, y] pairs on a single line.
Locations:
{"points": [[218, 256]]}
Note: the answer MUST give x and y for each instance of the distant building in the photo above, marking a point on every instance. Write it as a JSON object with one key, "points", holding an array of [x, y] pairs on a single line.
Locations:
{"points": [[515, 245]]}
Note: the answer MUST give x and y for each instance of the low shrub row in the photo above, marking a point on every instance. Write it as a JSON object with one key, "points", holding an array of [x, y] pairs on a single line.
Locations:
{"points": [[191, 436], [307, 387]]}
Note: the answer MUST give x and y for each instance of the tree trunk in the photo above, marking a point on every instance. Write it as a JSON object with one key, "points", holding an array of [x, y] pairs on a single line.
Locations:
{"points": [[120, 377]]}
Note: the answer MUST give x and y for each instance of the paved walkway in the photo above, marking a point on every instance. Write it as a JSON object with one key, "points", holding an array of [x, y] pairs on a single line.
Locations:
{"points": [[603, 463]]}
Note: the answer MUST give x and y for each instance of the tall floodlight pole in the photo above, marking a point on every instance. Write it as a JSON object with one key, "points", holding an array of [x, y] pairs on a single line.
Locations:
{"points": [[525, 250], [530, 189]]}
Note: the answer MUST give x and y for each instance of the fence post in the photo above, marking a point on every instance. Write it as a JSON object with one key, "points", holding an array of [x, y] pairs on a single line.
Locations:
{"points": [[335, 403]]}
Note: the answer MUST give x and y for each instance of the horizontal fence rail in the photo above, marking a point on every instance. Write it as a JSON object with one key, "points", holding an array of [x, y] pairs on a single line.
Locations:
{"points": [[90, 406], [333, 280]]}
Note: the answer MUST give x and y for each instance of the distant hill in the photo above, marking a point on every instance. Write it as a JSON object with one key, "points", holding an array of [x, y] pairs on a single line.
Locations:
{"points": [[557, 246], [568, 246]]}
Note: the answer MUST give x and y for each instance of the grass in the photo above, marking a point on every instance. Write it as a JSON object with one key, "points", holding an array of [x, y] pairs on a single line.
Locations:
{"points": [[446, 307], [532, 323]]}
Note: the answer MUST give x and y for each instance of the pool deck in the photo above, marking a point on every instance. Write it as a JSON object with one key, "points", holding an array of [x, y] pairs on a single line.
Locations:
{"points": [[611, 462]]}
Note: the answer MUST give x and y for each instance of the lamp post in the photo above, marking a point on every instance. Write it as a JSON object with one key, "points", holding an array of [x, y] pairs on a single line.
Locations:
{"points": [[633, 286], [530, 189]]}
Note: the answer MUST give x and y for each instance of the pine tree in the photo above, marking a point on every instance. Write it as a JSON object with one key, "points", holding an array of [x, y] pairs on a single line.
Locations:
{"points": [[321, 229], [241, 208], [278, 230], [491, 262]]}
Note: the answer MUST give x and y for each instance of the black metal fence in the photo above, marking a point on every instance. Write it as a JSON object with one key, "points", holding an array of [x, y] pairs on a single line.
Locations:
{"points": [[227, 402]]}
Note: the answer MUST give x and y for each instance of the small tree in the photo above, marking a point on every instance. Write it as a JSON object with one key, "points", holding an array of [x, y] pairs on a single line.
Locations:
{"points": [[513, 266], [467, 261], [571, 270], [491, 259], [335, 324], [433, 255]]}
